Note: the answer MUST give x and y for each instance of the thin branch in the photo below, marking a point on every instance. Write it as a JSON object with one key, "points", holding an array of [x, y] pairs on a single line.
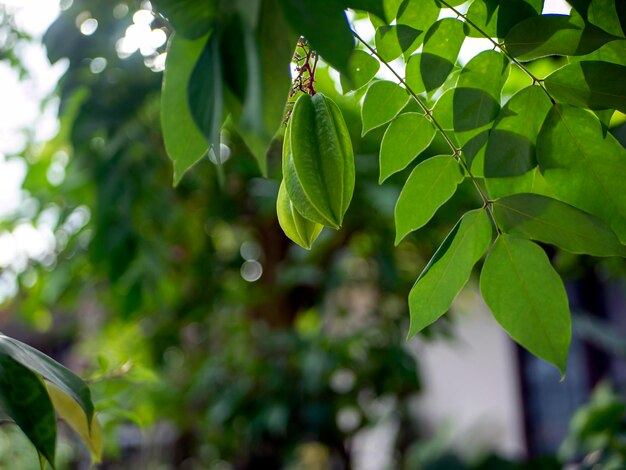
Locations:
{"points": [[456, 151], [536, 80]]}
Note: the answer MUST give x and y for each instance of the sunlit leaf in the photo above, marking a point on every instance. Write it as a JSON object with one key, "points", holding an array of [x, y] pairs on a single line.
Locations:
{"points": [[383, 101], [418, 15], [441, 48], [513, 138], [69, 410], [429, 186], [362, 67], [407, 136]]}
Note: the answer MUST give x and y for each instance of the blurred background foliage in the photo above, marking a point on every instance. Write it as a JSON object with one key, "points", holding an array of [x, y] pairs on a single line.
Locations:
{"points": [[209, 339]]}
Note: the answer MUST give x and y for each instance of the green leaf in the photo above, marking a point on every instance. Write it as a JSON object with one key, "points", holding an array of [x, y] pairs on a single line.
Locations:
{"points": [[545, 35], [325, 25], [513, 138], [604, 14], [497, 17], [184, 143], [585, 168], [590, 84], [362, 68], [418, 15], [488, 71], [429, 186], [531, 182], [476, 99], [614, 52], [387, 45], [407, 136], [24, 399], [413, 74], [191, 19], [473, 109], [371, 6], [449, 269], [268, 52], [391, 9], [383, 101], [551, 221], [527, 298], [205, 94], [73, 415], [442, 44], [50, 370]]}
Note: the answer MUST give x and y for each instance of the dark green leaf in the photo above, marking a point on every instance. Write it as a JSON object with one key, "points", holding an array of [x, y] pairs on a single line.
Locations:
{"points": [[407, 136], [527, 298], [190, 18], [449, 269], [604, 14], [441, 48], [205, 94], [512, 140], [585, 168], [383, 101], [473, 108], [50, 370], [551, 221], [371, 6], [24, 398], [429, 186], [545, 35], [614, 52], [268, 55], [324, 24], [362, 68], [590, 84], [184, 142]]}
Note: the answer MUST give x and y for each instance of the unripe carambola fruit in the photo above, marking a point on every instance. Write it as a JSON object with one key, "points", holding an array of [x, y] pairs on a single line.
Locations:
{"points": [[297, 228], [318, 160]]}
